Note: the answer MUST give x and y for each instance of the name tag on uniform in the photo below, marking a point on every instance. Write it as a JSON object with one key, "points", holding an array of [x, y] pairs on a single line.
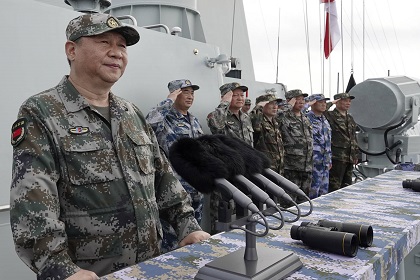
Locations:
{"points": [[180, 124]]}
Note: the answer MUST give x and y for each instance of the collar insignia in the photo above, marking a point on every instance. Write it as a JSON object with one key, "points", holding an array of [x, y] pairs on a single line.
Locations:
{"points": [[79, 130]]}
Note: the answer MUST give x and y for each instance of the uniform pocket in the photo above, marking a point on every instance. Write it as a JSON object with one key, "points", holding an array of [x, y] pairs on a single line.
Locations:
{"points": [[295, 130], [295, 152], [95, 247], [143, 149], [90, 159]]}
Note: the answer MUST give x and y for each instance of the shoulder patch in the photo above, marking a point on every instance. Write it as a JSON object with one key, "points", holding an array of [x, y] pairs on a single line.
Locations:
{"points": [[19, 131]]}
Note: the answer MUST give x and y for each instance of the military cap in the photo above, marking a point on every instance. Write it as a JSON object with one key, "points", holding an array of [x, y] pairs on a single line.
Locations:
{"points": [[95, 24], [343, 95], [247, 101], [231, 86], [267, 97], [317, 97], [295, 93], [180, 84]]}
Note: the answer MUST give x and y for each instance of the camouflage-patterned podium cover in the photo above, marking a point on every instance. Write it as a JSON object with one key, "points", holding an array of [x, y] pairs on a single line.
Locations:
{"points": [[393, 212]]}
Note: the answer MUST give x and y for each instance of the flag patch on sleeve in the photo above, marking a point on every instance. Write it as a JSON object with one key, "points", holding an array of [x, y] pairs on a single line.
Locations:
{"points": [[19, 131]]}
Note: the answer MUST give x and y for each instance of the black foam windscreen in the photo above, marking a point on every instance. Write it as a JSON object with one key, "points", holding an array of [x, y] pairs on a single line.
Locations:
{"points": [[196, 165], [232, 160], [255, 161]]}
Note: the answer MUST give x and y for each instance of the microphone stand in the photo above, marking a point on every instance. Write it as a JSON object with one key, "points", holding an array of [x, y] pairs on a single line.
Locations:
{"points": [[246, 263]]}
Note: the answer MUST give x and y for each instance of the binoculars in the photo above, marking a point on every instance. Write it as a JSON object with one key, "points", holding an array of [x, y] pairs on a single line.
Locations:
{"points": [[334, 237], [412, 184]]}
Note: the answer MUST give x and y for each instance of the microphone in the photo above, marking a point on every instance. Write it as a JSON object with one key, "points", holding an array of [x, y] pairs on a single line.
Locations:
{"points": [[258, 162], [247, 186], [288, 186], [272, 188], [255, 163], [283, 182], [204, 171], [236, 166], [230, 191]]}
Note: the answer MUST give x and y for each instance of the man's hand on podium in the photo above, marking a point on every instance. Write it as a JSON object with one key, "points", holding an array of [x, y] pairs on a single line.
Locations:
{"points": [[194, 237]]}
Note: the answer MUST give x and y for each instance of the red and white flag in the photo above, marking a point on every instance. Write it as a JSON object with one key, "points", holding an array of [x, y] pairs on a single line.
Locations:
{"points": [[332, 30]]}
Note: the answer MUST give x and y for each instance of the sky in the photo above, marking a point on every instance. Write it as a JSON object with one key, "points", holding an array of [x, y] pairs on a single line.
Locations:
{"points": [[391, 42]]}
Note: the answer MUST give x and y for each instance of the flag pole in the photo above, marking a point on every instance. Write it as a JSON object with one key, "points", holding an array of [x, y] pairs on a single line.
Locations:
{"points": [[363, 40], [342, 46], [278, 51], [338, 82]]}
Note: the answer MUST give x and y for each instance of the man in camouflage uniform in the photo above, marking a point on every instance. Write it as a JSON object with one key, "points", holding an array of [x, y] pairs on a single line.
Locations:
{"points": [[89, 183], [296, 133], [267, 135], [171, 120], [229, 120], [321, 132], [344, 146], [247, 106]]}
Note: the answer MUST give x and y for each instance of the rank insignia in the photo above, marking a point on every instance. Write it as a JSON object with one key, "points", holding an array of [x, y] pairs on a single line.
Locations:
{"points": [[79, 130], [19, 131]]}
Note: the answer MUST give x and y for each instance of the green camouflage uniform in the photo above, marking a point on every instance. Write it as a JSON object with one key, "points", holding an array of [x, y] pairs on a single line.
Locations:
{"points": [[267, 138], [87, 193], [344, 149], [296, 132], [222, 121]]}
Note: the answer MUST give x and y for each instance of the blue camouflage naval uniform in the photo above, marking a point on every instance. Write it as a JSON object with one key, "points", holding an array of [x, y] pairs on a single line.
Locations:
{"points": [[87, 193], [321, 132], [170, 125]]}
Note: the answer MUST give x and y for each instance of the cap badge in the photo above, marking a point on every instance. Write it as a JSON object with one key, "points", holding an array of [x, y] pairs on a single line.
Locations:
{"points": [[111, 22]]}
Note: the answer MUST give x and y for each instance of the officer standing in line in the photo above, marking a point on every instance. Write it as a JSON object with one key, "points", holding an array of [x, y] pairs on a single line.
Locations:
{"points": [[321, 132], [345, 150], [228, 119], [172, 120], [247, 106], [267, 135], [296, 132], [89, 184]]}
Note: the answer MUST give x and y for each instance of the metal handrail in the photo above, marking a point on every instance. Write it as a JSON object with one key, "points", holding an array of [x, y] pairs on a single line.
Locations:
{"points": [[158, 25], [4, 208], [133, 19]]}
